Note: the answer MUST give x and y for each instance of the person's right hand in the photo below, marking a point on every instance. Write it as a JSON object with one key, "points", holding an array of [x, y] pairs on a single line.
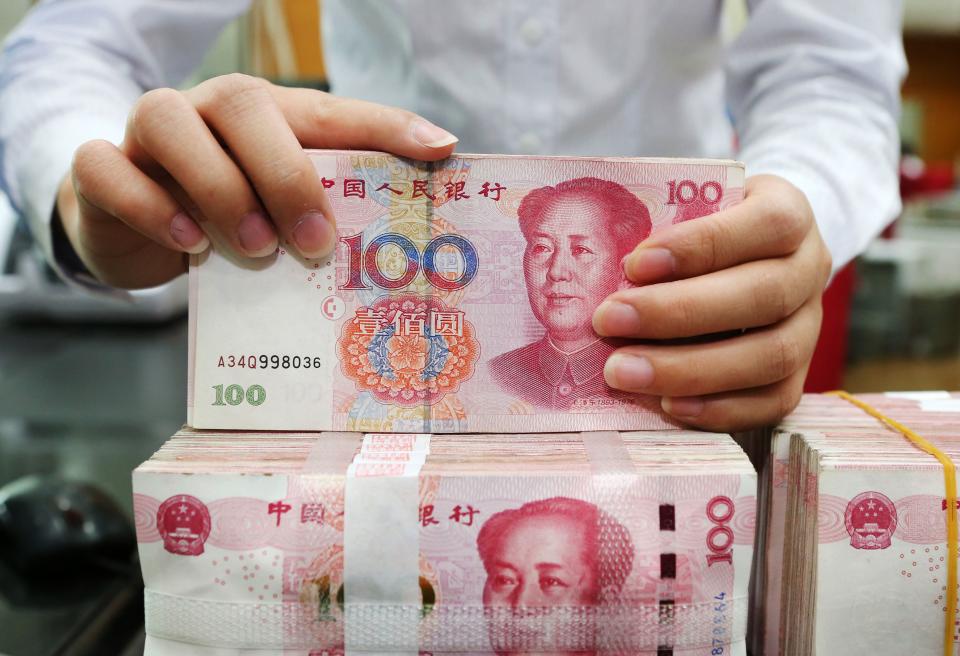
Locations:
{"points": [[224, 159]]}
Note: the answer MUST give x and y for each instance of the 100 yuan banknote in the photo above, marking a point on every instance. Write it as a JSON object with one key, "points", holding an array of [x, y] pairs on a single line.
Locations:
{"points": [[362, 551], [459, 297]]}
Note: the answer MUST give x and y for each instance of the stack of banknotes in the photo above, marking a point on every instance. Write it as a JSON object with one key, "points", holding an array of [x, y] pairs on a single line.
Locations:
{"points": [[303, 543], [459, 299], [853, 529], [480, 497]]}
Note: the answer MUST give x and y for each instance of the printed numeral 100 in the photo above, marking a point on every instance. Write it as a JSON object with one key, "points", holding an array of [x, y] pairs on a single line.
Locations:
{"points": [[720, 536], [235, 395], [365, 261], [687, 191]]}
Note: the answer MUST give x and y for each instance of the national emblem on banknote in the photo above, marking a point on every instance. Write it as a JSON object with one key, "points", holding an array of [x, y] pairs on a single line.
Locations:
{"points": [[871, 519], [183, 522]]}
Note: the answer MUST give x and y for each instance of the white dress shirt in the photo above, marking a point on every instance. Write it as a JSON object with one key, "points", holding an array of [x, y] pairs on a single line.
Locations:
{"points": [[808, 91]]}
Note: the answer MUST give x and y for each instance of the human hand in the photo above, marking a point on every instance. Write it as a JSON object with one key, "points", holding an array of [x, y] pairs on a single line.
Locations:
{"points": [[224, 160], [759, 267]]}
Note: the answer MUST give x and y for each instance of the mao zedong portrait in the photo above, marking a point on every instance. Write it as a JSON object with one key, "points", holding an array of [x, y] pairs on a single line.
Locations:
{"points": [[576, 233], [550, 553]]}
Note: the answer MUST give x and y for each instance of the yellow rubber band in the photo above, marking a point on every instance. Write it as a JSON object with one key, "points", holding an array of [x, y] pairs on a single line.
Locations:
{"points": [[950, 484]]}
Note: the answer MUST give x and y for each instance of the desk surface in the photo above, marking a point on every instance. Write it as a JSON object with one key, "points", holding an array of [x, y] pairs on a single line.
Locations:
{"points": [[88, 403]]}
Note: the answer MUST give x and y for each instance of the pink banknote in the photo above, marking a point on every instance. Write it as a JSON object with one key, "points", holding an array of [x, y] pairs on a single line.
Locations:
{"points": [[521, 558], [459, 297], [855, 529]]}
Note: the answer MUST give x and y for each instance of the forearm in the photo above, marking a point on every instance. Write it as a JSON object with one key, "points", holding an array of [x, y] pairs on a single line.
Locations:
{"points": [[71, 72], [47, 111], [815, 97]]}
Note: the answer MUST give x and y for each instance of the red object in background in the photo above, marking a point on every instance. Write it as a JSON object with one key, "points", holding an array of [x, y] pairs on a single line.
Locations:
{"points": [[830, 356], [917, 178], [920, 178]]}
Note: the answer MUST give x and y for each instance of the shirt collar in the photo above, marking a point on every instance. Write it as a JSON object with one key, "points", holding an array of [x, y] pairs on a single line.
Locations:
{"points": [[584, 363]]}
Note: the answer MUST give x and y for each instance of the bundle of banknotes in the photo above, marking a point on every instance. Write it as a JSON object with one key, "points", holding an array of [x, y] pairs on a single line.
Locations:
{"points": [[462, 510], [309, 543], [459, 299], [853, 528]]}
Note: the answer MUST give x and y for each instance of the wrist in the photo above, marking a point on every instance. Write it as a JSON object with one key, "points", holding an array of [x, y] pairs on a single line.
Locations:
{"points": [[64, 230]]}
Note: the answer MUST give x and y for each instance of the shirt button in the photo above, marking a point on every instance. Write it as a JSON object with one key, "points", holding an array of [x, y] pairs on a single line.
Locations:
{"points": [[564, 389], [529, 143], [532, 31]]}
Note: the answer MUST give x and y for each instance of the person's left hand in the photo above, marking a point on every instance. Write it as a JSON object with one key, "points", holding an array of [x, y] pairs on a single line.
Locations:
{"points": [[759, 267]]}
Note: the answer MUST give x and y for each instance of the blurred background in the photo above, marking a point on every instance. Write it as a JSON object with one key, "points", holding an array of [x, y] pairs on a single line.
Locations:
{"points": [[90, 387]]}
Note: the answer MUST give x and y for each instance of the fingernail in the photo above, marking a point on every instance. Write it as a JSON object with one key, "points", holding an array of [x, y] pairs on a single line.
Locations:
{"points": [[256, 235], [683, 406], [314, 235], [649, 264], [614, 318], [628, 372], [188, 234], [429, 135]]}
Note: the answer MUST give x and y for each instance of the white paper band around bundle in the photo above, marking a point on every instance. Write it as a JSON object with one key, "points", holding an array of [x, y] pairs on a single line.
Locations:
{"points": [[607, 453], [381, 504], [381, 526]]}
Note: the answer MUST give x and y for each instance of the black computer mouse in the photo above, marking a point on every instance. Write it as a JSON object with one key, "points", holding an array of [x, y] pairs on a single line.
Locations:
{"points": [[53, 526]]}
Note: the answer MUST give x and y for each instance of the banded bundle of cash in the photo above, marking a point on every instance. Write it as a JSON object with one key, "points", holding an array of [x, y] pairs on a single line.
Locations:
{"points": [[855, 528], [315, 543], [459, 298]]}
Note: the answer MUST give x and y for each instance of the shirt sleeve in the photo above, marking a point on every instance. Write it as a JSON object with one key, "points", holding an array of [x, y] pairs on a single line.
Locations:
{"points": [[71, 71], [813, 89]]}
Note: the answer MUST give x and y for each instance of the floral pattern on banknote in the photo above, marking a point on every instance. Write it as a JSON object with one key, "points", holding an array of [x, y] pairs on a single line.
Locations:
{"points": [[408, 350]]}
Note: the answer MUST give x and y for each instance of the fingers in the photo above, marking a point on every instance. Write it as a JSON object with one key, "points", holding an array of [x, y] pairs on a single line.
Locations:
{"points": [[754, 359], [242, 111], [136, 238], [741, 409], [760, 265], [266, 127], [320, 120], [167, 133], [772, 221], [224, 160], [745, 296]]}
